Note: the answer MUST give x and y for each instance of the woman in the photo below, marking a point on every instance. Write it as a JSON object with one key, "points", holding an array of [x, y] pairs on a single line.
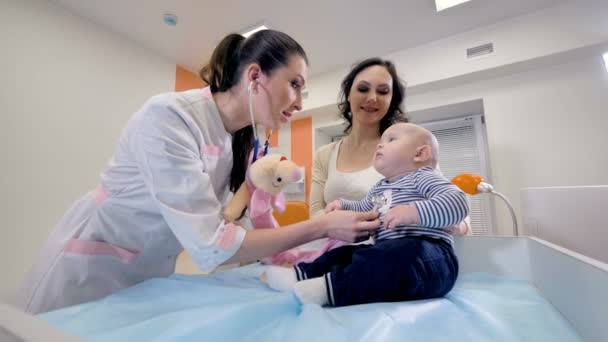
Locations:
{"points": [[163, 190], [371, 97]]}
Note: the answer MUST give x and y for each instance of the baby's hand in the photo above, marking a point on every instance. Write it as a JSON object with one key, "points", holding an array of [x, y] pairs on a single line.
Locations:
{"points": [[333, 206], [403, 214]]}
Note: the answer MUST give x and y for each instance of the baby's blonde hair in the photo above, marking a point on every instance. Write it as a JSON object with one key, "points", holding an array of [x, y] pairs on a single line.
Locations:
{"points": [[424, 137]]}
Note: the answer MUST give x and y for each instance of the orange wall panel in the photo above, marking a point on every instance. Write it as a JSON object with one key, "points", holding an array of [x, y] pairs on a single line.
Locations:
{"points": [[301, 147], [186, 80], [274, 139]]}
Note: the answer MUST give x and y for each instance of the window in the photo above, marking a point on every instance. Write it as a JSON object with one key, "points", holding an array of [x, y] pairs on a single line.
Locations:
{"points": [[463, 149]]}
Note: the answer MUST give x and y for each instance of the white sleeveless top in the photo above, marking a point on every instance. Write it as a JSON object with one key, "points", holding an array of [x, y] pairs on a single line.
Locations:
{"points": [[348, 185]]}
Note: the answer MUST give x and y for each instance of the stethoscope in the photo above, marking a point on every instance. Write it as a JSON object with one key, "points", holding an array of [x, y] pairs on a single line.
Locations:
{"points": [[256, 139]]}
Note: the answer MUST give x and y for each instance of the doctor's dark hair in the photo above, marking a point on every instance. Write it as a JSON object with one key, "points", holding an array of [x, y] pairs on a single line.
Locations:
{"points": [[269, 49], [395, 112]]}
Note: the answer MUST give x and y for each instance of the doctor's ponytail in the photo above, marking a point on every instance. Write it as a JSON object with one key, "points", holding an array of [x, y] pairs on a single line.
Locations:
{"points": [[269, 49], [220, 72]]}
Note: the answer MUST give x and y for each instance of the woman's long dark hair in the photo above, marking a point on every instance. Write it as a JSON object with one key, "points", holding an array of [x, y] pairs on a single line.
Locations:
{"points": [[270, 50], [395, 111]]}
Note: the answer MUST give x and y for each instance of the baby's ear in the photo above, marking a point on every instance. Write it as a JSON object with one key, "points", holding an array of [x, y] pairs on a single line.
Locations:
{"points": [[423, 154]]}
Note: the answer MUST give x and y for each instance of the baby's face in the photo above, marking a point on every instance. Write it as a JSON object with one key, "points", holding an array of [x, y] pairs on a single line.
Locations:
{"points": [[396, 151]]}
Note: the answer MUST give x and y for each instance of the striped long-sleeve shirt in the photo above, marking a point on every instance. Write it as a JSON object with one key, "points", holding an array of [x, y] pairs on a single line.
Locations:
{"points": [[440, 204]]}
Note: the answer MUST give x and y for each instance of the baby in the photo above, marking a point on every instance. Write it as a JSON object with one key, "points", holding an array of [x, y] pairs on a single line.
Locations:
{"points": [[413, 254]]}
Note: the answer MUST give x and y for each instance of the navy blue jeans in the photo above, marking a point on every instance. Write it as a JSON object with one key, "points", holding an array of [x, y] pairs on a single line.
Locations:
{"points": [[407, 268]]}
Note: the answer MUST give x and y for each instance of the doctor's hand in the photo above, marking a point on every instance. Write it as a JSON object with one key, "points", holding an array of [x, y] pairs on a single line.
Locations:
{"points": [[349, 226]]}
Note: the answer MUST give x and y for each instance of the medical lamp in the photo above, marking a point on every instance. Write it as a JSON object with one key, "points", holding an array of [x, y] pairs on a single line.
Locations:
{"points": [[473, 184]]}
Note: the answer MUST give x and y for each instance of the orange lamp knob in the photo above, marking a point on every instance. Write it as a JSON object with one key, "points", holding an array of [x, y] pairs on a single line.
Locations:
{"points": [[468, 182]]}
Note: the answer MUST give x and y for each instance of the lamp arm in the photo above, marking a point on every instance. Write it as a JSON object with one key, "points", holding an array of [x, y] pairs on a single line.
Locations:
{"points": [[504, 198]]}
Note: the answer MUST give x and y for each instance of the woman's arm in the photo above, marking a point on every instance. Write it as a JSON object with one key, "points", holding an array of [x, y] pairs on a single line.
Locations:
{"points": [[319, 177], [169, 159], [342, 225], [463, 228]]}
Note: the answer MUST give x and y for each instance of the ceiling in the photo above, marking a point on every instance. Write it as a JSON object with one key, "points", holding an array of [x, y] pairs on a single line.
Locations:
{"points": [[334, 33]]}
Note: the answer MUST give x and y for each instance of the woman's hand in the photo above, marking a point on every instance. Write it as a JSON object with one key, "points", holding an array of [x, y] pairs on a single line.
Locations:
{"points": [[461, 229], [349, 226], [333, 206]]}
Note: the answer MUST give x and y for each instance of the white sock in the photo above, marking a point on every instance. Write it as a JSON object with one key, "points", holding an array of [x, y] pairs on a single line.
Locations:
{"points": [[311, 291], [280, 278]]}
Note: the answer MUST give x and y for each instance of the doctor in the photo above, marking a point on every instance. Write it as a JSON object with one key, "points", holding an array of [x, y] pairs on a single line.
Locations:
{"points": [[175, 163]]}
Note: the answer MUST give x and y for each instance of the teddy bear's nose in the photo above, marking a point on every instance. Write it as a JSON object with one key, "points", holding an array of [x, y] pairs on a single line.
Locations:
{"points": [[279, 179]]}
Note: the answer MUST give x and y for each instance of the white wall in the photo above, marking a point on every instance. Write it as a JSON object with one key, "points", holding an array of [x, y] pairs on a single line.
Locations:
{"points": [[546, 127], [571, 25], [544, 92], [284, 143], [68, 87]]}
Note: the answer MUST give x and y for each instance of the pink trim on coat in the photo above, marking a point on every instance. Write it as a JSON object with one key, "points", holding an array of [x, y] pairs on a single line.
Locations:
{"points": [[86, 247]]}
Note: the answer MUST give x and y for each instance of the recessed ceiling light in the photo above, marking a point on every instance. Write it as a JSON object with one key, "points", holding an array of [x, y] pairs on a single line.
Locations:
{"points": [[254, 30], [170, 19], [443, 4], [606, 60]]}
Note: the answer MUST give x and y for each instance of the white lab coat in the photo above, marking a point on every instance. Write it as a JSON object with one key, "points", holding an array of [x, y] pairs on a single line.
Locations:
{"points": [[162, 191]]}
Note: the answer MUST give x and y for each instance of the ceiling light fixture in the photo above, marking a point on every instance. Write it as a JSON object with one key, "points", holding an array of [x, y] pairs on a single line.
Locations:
{"points": [[606, 60], [444, 4], [254, 30]]}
